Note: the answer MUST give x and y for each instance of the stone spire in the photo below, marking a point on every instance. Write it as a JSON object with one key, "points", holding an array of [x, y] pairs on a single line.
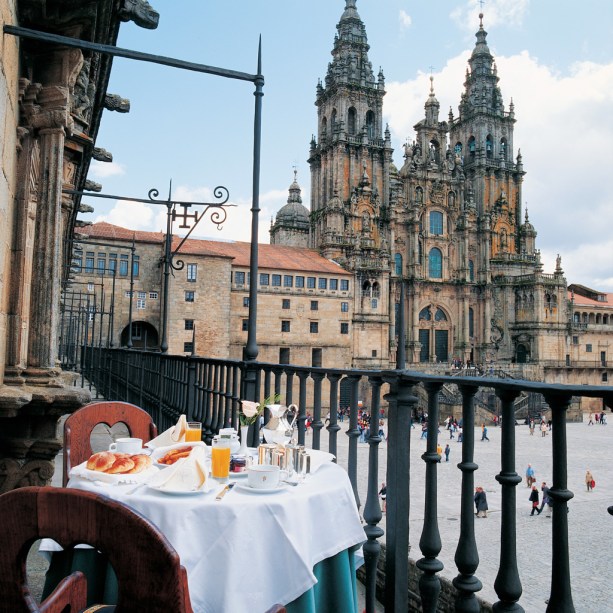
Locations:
{"points": [[350, 62], [432, 106], [481, 86]]}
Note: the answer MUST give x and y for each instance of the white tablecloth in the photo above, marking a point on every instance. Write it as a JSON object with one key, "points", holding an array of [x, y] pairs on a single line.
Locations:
{"points": [[250, 551]]}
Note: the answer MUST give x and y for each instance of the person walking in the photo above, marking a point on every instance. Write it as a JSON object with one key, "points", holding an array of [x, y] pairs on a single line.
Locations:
{"points": [[481, 502], [460, 434], [484, 436], [589, 480], [383, 496], [532, 427], [534, 499], [546, 500], [591, 420], [439, 450], [543, 428], [447, 451], [530, 476]]}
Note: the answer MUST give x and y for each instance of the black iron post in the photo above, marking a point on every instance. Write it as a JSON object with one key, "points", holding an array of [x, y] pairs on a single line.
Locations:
{"points": [[132, 253], [112, 312], [166, 274], [401, 357]]}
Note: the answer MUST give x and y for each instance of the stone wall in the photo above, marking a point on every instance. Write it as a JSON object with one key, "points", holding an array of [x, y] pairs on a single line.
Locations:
{"points": [[446, 602]]}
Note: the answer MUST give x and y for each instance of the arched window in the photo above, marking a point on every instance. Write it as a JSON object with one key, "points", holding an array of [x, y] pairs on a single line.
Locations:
{"points": [[458, 148], [434, 151], [419, 195], [471, 147], [436, 223], [366, 288], [351, 121], [435, 264], [489, 147], [398, 264], [503, 148], [324, 128], [332, 122], [370, 125], [425, 314], [471, 322], [522, 354], [577, 318], [584, 318], [440, 315], [598, 318], [605, 319], [376, 290], [471, 270]]}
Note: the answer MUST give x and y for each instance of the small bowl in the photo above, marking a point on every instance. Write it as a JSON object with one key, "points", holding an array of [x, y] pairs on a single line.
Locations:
{"points": [[263, 476]]}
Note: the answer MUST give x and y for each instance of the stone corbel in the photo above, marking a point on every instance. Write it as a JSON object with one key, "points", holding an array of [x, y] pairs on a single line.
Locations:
{"points": [[113, 102], [102, 155], [141, 13], [53, 112]]}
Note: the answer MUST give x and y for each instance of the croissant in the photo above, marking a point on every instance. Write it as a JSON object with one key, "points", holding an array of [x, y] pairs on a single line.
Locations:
{"points": [[101, 461], [120, 466]]}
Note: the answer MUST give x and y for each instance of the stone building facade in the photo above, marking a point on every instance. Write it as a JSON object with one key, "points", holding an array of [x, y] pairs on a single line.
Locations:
{"points": [[51, 101]]}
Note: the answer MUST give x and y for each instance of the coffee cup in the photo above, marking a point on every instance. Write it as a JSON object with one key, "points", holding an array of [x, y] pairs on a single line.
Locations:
{"points": [[127, 445], [263, 476]]}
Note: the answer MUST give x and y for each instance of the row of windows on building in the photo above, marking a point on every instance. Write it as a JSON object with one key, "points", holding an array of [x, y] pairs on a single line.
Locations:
{"points": [[435, 264], [286, 326], [297, 281], [592, 318], [141, 298], [115, 264]]}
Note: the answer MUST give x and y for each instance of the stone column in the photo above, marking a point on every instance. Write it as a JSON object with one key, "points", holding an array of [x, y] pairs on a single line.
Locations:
{"points": [[47, 261]]}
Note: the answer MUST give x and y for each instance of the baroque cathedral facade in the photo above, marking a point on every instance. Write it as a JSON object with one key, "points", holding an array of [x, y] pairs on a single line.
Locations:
{"points": [[449, 225]]}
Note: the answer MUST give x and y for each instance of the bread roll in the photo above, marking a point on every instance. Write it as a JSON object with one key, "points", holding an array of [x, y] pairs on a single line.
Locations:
{"points": [[101, 461], [141, 462]]}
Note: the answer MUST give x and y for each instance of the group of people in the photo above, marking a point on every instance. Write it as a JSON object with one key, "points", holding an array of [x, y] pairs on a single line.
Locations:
{"points": [[599, 418], [544, 426]]}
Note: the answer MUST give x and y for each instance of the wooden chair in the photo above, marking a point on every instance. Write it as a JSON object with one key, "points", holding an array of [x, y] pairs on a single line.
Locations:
{"points": [[78, 428], [149, 574]]}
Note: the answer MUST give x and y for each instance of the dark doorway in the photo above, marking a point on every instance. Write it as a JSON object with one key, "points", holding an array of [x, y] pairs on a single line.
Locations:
{"points": [[144, 336]]}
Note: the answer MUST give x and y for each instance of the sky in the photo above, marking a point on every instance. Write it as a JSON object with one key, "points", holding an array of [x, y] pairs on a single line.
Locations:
{"points": [[554, 58]]}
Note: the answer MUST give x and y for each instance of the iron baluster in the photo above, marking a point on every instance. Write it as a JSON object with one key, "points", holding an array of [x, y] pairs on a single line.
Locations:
{"points": [[561, 598], [372, 509], [467, 556], [333, 426], [302, 417], [207, 425], [353, 433], [507, 583], [401, 403], [317, 423], [430, 541]]}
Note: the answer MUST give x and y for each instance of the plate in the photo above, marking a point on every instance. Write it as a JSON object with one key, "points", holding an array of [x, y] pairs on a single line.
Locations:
{"points": [[160, 452], [171, 492], [238, 475], [243, 487]]}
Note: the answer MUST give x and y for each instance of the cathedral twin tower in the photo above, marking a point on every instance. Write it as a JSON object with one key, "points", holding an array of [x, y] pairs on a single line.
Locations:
{"points": [[448, 225]]}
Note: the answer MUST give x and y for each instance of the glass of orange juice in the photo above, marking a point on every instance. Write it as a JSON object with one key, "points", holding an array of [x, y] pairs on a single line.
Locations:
{"points": [[220, 459], [193, 431]]}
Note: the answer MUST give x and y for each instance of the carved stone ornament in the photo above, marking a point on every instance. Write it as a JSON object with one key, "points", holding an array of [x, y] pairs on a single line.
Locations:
{"points": [[102, 155], [114, 102], [436, 193], [14, 473], [141, 13]]}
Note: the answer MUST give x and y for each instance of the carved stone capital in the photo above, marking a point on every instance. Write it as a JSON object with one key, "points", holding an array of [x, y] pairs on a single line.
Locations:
{"points": [[14, 473]]}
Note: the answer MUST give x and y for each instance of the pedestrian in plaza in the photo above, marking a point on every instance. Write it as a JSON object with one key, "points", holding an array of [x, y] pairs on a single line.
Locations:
{"points": [[543, 428], [530, 476], [590, 421], [484, 436], [447, 451], [532, 427], [383, 496], [439, 450], [460, 434], [546, 500], [534, 499], [424, 431], [589, 481], [480, 502]]}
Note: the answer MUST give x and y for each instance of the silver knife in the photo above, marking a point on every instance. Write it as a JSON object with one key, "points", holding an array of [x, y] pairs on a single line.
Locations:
{"points": [[223, 492]]}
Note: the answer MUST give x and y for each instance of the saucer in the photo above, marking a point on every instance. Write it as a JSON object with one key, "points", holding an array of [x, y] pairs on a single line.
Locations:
{"points": [[244, 487]]}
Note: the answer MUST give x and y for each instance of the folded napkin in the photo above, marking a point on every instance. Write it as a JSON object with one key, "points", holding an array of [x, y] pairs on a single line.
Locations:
{"points": [[319, 458], [185, 475], [174, 434]]}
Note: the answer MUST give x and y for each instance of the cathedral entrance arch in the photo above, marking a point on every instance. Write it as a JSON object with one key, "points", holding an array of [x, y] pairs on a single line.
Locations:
{"points": [[434, 325], [144, 335]]}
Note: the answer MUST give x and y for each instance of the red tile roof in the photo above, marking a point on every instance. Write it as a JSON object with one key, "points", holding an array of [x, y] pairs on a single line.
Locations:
{"points": [[104, 230], [278, 257], [578, 299]]}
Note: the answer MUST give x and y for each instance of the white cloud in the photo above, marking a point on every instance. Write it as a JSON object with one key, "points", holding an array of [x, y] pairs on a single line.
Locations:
{"points": [[133, 215], [508, 12], [565, 131], [405, 19], [102, 170]]}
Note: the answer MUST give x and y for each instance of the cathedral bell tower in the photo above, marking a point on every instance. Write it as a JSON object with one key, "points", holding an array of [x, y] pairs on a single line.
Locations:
{"points": [[350, 161], [483, 136]]}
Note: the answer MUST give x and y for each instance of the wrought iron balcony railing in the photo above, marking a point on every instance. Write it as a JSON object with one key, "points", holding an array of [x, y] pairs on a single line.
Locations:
{"points": [[209, 391]]}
